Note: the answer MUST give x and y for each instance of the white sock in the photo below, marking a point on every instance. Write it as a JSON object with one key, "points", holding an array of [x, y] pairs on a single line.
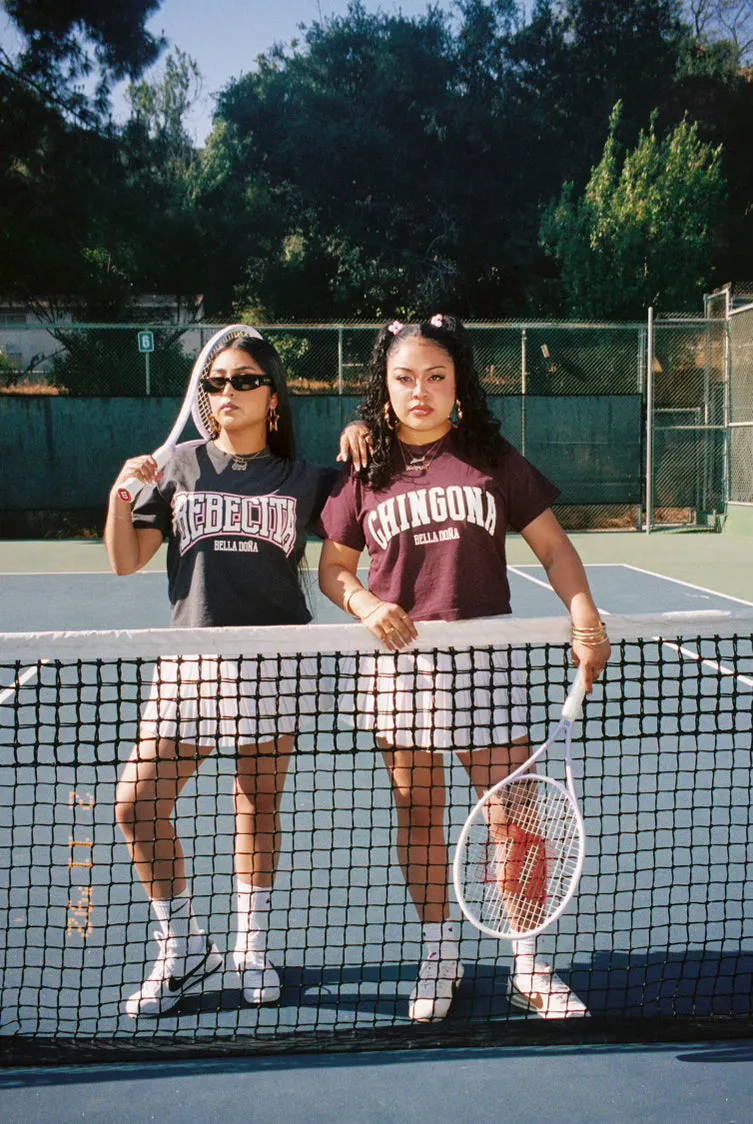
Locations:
{"points": [[252, 907], [525, 955], [176, 916], [440, 941]]}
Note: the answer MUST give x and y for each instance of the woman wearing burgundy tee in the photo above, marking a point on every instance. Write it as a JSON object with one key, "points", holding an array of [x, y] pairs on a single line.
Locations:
{"points": [[433, 507]]}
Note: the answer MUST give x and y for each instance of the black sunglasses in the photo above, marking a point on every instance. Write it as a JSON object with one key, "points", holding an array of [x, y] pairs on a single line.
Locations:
{"points": [[215, 384]]}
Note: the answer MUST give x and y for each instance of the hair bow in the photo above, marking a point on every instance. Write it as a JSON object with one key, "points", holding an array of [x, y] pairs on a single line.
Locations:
{"points": [[437, 321], [395, 327]]}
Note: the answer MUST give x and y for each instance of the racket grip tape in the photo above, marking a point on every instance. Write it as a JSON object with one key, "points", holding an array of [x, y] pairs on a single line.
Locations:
{"points": [[574, 701], [129, 489]]}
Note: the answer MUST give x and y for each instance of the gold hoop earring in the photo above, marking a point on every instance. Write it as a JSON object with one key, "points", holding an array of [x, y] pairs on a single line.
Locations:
{"points": [[389, 419], [273, 419], [459, 412]]}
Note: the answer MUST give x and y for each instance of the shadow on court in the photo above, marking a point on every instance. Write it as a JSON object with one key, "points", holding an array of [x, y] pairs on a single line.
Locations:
{"points": [[616, 985]]}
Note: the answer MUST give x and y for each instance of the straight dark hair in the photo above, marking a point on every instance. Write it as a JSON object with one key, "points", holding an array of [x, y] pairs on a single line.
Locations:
{"points": [[281, 441]]}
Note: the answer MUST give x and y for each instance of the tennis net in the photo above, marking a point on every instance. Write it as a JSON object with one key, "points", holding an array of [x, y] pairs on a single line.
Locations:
{"points": [[658, 941]]}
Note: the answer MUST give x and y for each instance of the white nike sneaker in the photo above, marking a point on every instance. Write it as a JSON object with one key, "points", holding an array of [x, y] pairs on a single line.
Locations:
{"points": [[260, 980], [176, 969], [434, 990], [545, 994]]}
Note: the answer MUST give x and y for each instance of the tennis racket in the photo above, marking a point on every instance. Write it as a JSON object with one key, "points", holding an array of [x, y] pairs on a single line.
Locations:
{"points": [[195, 403], [520, 853]]}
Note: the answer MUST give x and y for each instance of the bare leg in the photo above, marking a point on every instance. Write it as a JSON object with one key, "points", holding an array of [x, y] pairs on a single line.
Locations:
{"points": [[418, 788], [520, 864], [153, 779], [259, 784]]}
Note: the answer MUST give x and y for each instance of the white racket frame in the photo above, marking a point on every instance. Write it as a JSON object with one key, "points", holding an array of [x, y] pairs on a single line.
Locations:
{"points": [[571, 711], [129, 489]]}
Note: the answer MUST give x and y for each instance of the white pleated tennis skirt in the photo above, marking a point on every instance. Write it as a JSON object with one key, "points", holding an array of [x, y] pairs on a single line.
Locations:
{"points": [[206, 700], [423, 700], [443, 700]]}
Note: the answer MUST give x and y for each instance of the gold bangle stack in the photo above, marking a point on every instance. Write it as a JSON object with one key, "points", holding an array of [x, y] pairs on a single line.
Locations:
{"points": [[590, 637]]}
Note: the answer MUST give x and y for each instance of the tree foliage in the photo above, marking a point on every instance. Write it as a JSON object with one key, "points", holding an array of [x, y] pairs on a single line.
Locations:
{"points": [[379, 165], [642, 232], [65, 42]]}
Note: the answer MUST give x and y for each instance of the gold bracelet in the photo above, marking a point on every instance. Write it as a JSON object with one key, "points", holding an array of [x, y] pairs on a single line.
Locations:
{"points": [[591, 636], [371, 614], [349, 597]]}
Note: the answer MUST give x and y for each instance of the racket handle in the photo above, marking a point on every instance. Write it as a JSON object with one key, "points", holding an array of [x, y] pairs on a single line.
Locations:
{"points": [[129, 489], [574, 701]]}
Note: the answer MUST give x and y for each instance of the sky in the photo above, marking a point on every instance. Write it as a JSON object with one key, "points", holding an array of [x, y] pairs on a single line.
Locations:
{"points": [[226, 36]]}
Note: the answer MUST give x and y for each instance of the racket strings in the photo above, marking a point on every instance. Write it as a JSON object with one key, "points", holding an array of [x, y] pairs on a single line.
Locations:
{"points": [[201, 410], [202, 413], [522, 856]]}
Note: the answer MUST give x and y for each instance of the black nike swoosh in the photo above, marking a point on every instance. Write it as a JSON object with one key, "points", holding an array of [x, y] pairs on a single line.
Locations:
{"points": [[177, 983]]}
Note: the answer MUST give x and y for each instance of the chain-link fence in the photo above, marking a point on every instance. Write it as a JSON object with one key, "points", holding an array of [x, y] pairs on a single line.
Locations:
{"points": [[687, 426], [571, 396], [105, 360], [741, 406]]}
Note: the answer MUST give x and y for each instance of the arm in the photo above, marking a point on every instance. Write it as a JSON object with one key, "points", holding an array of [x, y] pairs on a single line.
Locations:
{"points": [[338, 579], [130, 548], [355, 442], [568, 578]]}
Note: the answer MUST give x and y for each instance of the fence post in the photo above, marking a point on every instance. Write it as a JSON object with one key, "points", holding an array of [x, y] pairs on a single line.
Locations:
{"points": [[523, 389], [650, 421], [340, 360]]}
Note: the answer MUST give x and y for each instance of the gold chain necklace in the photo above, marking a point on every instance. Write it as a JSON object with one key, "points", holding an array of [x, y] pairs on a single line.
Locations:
{"points": [[421, 462], [241, 461]]}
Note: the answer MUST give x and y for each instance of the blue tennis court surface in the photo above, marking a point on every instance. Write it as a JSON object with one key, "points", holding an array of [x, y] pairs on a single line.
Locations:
{"points": [[666, 1084], [100, 600], [338, 831]]}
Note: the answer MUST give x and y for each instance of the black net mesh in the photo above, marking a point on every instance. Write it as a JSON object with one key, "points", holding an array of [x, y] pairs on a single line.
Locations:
{"points": [[658, 941]]}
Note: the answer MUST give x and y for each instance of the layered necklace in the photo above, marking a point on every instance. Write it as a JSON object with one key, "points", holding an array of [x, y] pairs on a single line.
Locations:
{"points": [[241, 461], [419, 462]]}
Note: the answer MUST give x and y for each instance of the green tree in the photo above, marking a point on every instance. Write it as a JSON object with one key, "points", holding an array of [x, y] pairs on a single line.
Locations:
{"points": [[642, 232], [78, 39], [160, 107], [60, 173]]}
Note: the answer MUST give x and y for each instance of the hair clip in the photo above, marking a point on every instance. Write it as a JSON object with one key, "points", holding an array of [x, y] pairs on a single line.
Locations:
{"points": [[395, 327], [437, 321]]}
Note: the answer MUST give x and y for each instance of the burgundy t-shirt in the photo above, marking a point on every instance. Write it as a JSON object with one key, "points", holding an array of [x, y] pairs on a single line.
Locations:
{"points": [[437, 540]]}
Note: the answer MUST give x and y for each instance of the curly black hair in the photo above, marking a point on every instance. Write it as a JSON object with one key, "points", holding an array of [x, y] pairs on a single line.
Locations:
{"points": [[477, 435]]}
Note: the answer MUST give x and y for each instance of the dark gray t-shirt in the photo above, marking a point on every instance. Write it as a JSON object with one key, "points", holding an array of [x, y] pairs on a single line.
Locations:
{"points": [[436, 539], [235, 537]]}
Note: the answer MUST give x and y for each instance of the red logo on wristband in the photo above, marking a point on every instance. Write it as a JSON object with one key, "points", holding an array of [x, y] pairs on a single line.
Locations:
{"points": [[124, 495]]}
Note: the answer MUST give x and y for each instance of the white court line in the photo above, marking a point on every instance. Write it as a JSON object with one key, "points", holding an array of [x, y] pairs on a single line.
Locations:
{"points": [[721, 668], [77, 573], [547, 585], [688, 585], [20, 682], [529, 578], [589, 565]]}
